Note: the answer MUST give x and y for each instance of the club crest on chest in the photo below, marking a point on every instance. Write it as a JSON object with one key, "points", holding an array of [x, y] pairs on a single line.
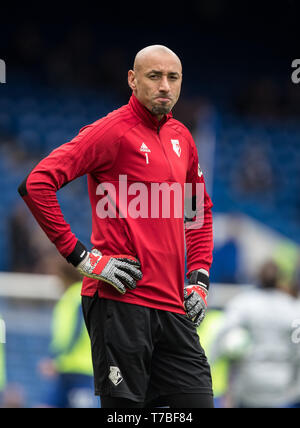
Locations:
{"points": [[176, 147]]}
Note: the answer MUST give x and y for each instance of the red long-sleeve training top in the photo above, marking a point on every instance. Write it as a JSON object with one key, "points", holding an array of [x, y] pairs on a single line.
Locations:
{"points": [[131, 143]]}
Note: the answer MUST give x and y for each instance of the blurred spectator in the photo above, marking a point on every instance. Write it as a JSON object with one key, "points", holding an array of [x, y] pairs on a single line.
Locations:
{"points": [[29, 240], [21, 226], [70, 367], [208, 331], [287, 255], [256, 337]]}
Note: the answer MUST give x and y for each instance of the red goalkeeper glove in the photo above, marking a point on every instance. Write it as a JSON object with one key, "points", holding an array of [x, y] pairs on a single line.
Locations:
{"points": [[121, 271], [195, 296]]}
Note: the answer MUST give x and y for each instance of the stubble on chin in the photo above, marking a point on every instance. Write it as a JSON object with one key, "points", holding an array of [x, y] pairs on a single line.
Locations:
{"points": [[160, 109]]}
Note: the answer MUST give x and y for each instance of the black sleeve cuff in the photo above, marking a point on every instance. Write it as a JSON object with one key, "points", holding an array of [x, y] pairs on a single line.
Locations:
{"points": [[190, 212], [22, 188], [200, 278], [77, 255]]}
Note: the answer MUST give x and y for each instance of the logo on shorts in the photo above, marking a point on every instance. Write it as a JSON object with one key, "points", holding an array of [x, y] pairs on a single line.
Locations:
{"points": [[115, 375]]}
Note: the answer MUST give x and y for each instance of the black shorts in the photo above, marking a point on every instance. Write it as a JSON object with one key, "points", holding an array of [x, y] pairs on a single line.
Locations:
{"points": [[143, 353]]}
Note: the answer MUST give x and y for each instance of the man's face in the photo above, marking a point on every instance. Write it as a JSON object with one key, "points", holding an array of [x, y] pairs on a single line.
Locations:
{"points": [[156, 82]]}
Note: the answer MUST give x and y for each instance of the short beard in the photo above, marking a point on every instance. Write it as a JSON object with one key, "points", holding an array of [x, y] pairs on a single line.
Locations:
{"points": [[158, 110]]}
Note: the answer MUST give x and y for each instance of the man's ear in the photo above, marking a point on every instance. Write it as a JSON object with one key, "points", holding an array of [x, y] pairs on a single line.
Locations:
{"points": [[131, 80]]}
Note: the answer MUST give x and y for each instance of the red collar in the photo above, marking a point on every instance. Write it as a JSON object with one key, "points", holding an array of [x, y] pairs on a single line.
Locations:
{"points": [[141, 111]]}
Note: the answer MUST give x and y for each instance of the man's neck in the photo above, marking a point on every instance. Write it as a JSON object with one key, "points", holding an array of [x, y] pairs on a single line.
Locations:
{"points": [[158, 117]]}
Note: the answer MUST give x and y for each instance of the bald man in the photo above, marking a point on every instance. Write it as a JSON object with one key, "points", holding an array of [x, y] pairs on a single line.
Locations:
{"points": [[156, 79], [140, 317]]}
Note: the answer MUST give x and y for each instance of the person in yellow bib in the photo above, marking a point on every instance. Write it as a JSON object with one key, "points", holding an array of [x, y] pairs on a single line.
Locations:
{"points": [[70, 342], [70, 367], [207, 332]]}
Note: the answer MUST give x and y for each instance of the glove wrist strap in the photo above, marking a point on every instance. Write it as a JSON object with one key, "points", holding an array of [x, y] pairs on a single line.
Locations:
{"points": [[78, 254], [200, 277]]}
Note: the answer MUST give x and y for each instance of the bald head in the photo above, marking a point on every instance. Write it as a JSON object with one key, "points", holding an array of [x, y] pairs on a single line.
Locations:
{"points": [[151, 52], [156, 79]]}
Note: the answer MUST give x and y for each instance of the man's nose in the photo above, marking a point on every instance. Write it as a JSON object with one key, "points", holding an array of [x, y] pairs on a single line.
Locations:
{"points": [[164, 84]]}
